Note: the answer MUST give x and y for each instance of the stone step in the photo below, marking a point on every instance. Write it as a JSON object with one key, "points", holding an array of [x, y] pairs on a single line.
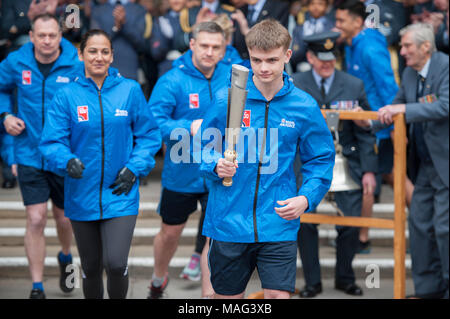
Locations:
{"points": [[147, 209], [184, 291], [13, 230], [13, 262]]}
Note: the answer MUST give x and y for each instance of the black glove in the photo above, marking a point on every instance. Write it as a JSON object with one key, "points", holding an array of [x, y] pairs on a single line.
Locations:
{"points": [[124, 182], [75, 168]]}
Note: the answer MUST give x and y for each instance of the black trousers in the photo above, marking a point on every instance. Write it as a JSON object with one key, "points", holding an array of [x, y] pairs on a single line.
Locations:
{"points": [[104, 244], [346, 243]]}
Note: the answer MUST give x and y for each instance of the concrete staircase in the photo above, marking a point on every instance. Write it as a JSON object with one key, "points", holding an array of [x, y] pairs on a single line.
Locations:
{"points": [[13, 261]]}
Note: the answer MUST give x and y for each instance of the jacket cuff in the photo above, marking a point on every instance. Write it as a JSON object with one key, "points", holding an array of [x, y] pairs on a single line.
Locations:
{"points": [[132, 169], [308, 198], [209, 170]]}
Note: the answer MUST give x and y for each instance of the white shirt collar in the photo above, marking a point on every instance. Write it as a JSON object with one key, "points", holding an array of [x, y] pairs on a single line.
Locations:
{"points": [[211, 6], [113, 2], [425, 69], [318, 79], [257, 7], [174, 14]]}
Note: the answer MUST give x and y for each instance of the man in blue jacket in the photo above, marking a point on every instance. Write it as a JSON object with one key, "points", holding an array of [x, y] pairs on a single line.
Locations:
{"points": [[38, 70], [179, 101], [254, 223], [367, 58]]}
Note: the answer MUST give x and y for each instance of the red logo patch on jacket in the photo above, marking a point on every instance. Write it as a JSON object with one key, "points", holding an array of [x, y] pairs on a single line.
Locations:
{"points": [[194, 102], [83, 113], [246, 118], [26, 77]]}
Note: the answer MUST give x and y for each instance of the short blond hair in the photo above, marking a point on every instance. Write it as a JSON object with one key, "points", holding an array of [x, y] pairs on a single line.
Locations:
{"points": [[267, 35], [226, 24]]}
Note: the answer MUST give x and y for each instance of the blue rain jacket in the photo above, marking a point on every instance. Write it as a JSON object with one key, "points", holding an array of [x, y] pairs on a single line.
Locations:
{"points": [[106, 129], [34, 93], [245, 211], [181, 96], [6, 147], [368, 59], [231, 56]]}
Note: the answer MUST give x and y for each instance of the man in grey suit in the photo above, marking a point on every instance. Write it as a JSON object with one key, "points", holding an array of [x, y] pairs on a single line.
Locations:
{"points": [[333, 89], [423, 98]]}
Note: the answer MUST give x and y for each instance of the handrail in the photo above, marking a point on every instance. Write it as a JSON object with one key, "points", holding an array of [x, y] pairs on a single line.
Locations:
{"points": [[399, 221]]}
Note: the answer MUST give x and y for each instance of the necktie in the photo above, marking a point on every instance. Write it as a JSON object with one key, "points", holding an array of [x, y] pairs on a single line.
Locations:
{"points": [[251, 11], [322, 87], [420, 86], [421, 147]]}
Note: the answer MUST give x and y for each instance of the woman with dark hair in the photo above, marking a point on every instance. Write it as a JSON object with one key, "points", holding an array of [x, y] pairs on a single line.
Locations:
{"points": [[101, 135]]}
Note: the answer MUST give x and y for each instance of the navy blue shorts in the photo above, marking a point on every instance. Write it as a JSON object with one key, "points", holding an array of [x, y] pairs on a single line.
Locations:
{"points": [[175, 208], [37, 186], [232, 264]]}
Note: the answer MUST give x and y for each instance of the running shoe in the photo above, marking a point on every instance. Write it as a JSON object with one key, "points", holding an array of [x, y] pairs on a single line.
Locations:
{"points": [[37, 294], [158, 292], [64, 274], [192, 270]]}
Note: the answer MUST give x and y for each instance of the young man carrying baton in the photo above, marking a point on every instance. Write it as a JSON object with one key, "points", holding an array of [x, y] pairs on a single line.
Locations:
{"points": [[254, 222]]}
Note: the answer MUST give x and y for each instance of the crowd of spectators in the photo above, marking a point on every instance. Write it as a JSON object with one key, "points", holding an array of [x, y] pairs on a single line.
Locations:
{"points": [[149, 34]]}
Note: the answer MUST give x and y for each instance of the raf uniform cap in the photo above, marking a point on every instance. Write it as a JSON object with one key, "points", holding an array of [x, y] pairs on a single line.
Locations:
{"points": [[323, 44]]}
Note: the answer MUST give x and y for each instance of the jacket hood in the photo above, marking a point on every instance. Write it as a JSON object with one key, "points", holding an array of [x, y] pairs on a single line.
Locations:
{"points": [[369, 34], [254, 93], [67, 59], [185, 64], [110, 80]]}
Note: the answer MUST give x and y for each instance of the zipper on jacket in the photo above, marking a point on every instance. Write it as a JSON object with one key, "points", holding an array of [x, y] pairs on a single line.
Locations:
{"points": [[210, 98], [258, 176], [103, 153], [43, 114], [210, 89]]}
